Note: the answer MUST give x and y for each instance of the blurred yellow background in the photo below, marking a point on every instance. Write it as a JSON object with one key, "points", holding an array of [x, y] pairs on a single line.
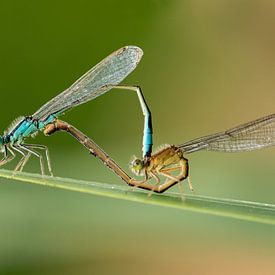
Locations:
{"points": [[207, 66]]}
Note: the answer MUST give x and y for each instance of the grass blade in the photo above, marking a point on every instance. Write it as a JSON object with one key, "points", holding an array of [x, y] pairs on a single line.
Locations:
{"points": [[243, 210]]}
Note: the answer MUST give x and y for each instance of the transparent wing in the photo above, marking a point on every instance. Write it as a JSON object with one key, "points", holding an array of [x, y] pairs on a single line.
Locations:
{"points": [[110, 71], [250, 136]]}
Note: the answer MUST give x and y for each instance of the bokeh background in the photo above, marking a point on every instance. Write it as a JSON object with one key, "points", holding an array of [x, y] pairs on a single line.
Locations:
{"points": [[207, 66]]}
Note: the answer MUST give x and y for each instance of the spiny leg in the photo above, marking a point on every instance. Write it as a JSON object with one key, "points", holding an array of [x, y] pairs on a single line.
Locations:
{"points": [[25, 161], [158, 188], [164, 172], [20, 165], [24, 155], [171, 169], [175, 178], [147, 177], [45, 148], [183, 175], [179, 178], [136, 184], [6, 157], [190, 184], [181, 190], [153, 175], [23, 146]]}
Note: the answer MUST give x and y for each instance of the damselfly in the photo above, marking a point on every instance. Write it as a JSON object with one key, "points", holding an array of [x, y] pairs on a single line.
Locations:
{"points": [[103, 77], [250, 136]]}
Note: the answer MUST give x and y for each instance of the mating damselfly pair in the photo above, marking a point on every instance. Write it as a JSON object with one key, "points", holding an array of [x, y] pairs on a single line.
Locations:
{"points": [[107, 75]]}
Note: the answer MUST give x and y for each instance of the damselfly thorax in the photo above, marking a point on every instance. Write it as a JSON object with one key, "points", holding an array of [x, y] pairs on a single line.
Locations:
{"points": [[167, 162]]}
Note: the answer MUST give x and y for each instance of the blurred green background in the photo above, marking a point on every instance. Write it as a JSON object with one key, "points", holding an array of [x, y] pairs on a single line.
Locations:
{"points": [[207, 66]]}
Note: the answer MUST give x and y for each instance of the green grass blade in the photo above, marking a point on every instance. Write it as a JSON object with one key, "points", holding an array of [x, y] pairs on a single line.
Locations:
{"points": [[243, 210]]}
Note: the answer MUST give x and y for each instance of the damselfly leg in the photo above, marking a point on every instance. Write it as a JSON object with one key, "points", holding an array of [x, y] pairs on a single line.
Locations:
{"points": [[20, 165], [47, 154], [26, 150], [6, 157]]}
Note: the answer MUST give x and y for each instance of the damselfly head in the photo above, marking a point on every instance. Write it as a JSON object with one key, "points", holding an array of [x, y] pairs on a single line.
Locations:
{"points": [[137, 166]]}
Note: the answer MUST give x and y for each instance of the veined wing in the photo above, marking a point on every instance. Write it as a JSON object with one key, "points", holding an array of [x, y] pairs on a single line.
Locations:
{"points": [[250, 136], [110, 71]]}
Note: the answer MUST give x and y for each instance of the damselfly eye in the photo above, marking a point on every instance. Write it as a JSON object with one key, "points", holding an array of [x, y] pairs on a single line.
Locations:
{"points": [[137, 166]]}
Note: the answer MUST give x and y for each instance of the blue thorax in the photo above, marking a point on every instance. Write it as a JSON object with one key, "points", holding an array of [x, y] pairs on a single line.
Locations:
{"points": [[26, 127]]}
